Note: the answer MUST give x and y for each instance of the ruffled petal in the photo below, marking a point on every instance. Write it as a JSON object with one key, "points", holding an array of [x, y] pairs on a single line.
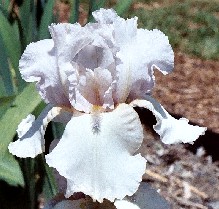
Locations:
{"points": [[170, 129], [69, 39], [156, 50], [140, 52], [94, 88], [31, 134], [92, 57], [38, 64], [95, 154], [105, 16], [79, 55]]}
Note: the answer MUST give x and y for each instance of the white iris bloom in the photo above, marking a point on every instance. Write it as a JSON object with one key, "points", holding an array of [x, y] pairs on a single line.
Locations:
{"points": [[92, 77]]}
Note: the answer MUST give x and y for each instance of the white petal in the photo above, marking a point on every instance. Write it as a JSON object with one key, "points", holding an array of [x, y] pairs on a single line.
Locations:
{"points": [[140, 52], [38, 63], [125, 30], [124, 204], [31, 134], [25, 125], [170, 129], [75, 53], [156, 50], [92, 57], [105, 16], [94, 88], [69, 39], [95, 154]]}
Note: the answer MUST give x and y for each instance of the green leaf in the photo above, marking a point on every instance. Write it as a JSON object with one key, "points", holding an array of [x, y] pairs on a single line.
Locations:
{"points": [[24, 21], [57, 129], [4, 11], [2, 87], [46, 20], [23, 104], [6, 100], [11, 42], [5, 72], [24, 13], [5, 103], [50, 188], [122, 6], [74, 11], [5, 4], [12, 45], [10, 170]]}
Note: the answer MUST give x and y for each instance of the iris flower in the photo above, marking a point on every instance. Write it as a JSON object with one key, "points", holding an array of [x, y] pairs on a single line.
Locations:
{"points": [[91, 77]]}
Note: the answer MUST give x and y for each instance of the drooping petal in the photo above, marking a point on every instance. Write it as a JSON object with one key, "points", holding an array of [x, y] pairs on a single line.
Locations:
{"points": [[31, 134], [95, 154], [38, 64], [170, 129], [124, 204]]}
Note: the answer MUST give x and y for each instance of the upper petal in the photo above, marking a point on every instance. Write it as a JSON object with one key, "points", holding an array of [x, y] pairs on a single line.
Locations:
{"points": [[93, 88], [140, 52], [69, 39], [170, 129], [105, 16], [38, 63], [156, 50], [93, 146]]}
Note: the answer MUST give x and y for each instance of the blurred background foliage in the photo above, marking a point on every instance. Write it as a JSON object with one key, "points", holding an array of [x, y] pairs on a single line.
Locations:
{"points": [[191, 25]]}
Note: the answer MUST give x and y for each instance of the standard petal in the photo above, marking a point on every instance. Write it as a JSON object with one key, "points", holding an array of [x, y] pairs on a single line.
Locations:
{"points": [[156, 50], [69, 39], [105, 16], [31, 134], [38, 64], [94, 88], [140, 52], [79, 54], [95, 154], [170, 129]]}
